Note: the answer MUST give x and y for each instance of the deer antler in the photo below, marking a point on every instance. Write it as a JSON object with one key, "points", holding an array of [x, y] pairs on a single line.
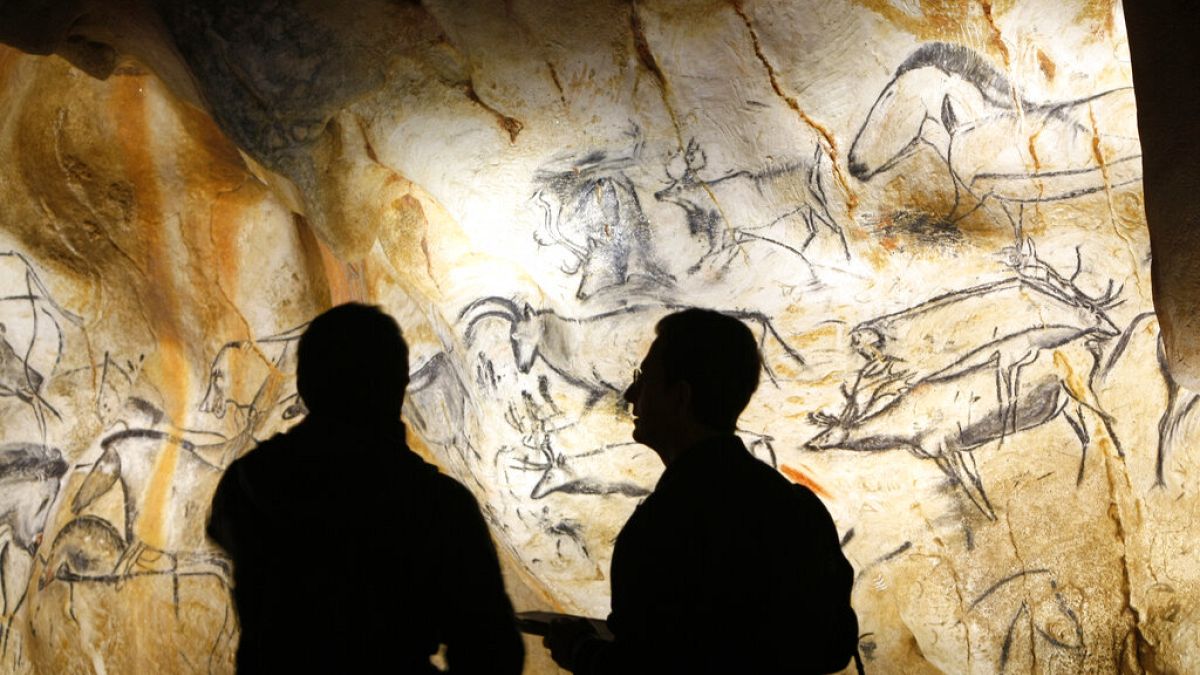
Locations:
{"points": [[823, 419]]}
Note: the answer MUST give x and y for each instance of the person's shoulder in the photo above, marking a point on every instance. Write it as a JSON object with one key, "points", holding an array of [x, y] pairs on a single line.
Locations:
{"points": [[752, 471]]}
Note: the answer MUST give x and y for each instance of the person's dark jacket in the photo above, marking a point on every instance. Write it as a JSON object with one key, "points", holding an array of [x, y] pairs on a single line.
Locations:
{"points": [[715, 573], [351, 554]]}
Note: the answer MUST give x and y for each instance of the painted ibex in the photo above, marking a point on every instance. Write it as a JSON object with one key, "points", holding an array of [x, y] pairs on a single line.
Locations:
{"points": [[581, 349]]}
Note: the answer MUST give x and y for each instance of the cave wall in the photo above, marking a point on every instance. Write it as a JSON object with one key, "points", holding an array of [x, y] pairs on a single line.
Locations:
{"points": [[931, 213]]}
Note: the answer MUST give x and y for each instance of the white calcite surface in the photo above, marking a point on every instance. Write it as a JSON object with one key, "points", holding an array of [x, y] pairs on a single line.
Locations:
{"points": [[931, 214]]}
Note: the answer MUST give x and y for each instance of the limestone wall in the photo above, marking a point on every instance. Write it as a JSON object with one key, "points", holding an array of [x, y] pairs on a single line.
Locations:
{"points": [[931, 213]]}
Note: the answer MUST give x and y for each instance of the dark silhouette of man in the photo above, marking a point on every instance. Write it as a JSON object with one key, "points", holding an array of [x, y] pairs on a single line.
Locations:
{"points": [[726, 567], [350, 553]]}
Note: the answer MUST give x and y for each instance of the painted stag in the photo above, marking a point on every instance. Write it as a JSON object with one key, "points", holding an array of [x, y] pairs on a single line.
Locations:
{"points": [[783, 206], [947, 98], [996, 359], [579, 349], [932, 422]]}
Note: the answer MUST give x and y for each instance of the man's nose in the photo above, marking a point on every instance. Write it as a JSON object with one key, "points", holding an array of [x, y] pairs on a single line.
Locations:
{"points": [[631, 392]]}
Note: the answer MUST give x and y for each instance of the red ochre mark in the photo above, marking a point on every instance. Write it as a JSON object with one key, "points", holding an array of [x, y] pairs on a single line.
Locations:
{"points": [[801, 478]]}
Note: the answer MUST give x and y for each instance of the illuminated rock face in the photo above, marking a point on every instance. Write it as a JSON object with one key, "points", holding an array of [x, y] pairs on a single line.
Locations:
{"points": [[932, 218]]}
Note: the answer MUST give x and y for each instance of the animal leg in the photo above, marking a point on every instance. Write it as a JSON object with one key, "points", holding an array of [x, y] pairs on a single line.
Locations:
{"points": [[1088, 400], [1002, 396], [816, 188], [1075, 419], [1006, 647], [974, 484], [15, 567], [953, 468], [123, 569], [768, 328], [1018, 223], [1014, 388]]}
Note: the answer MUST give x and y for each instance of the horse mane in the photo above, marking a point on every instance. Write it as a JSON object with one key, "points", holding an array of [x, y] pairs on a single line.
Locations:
{"points": [[966, 63]]}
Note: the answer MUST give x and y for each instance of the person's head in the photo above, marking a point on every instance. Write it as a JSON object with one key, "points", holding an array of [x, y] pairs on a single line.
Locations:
{"points": [[699, 373], [353, 363]]}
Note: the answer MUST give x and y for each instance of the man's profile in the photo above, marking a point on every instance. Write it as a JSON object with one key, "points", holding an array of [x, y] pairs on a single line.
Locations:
{"points": [[350, 553], [726, 567]]}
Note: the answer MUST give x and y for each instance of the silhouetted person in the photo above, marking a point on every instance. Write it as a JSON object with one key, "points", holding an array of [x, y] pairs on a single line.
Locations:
{"points": [[726, 567], [350, 553]]}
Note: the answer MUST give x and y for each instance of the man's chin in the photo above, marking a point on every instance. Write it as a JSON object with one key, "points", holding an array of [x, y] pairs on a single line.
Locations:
{"points": [[639, 434], [644, 436]]}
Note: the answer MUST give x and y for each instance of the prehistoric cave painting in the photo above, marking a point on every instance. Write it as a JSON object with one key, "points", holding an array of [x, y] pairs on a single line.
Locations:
{"points": [[948, 98], [30, 476], [580, 473], [90, 550], [249, 377], [114, 377], [1030, 610], [761, 446], [129, 458], [439, 403], [32, 336], [791, 195], [574, 473], [969, 367], [591, 209], [579, 349], [566, 530]]}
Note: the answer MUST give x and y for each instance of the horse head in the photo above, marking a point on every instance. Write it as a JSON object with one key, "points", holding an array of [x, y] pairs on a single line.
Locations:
{"points": [[939, 90], [905, 116]]}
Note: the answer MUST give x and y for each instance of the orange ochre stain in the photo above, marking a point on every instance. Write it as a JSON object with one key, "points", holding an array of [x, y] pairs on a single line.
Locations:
{"points": [[801, 478], [1097, 150], [936, 20], [225, 231], [997, 37], [1049, 69], [1071, 378], [831, 145], [128, 109], [342, 288], [1096, 15]]}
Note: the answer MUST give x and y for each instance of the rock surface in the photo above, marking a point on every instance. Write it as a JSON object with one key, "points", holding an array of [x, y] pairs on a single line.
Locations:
{"points": [[932, 214]]}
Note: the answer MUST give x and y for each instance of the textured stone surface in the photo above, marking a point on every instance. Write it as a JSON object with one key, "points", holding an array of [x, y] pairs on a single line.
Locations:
{"points": [[931, 213]]}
